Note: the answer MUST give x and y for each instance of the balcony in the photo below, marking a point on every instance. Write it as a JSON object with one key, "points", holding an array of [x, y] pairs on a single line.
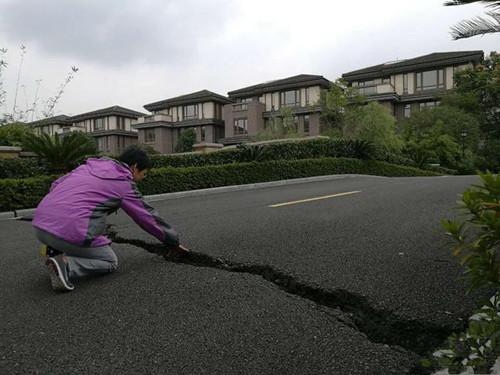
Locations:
{"points": [[384, 88], [70, 129], [154, 118]]}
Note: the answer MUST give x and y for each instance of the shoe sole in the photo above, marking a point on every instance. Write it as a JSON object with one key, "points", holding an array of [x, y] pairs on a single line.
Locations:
{"points": [[58, 283]]}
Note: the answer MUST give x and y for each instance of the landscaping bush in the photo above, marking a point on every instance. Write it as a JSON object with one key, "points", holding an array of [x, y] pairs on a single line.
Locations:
{"points": [[26, 193], [21, 168], [168, 180], [308, 149], [16, 194]]}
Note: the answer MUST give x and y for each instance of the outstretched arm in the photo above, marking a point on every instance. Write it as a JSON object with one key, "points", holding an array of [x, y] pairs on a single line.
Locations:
{"points": [[147, 218]]}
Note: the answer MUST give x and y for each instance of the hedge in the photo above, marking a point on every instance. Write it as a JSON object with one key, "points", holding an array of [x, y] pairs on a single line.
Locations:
{"points": [[291, 150], [21, 168], [23, 193]]}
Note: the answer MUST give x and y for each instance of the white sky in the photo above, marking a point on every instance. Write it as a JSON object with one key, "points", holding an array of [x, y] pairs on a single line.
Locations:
{"points": [[134, 52]]}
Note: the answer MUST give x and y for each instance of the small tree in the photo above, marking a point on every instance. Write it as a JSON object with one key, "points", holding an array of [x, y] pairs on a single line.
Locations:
{"points": [[14, 134], [61, 154], [186, 141]]}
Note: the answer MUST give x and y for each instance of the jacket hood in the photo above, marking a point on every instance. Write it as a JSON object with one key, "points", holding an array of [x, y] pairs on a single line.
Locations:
{"points": [[108, 169]]}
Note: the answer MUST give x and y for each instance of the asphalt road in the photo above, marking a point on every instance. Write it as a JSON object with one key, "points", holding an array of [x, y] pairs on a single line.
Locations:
{"points": [[354, 284]]}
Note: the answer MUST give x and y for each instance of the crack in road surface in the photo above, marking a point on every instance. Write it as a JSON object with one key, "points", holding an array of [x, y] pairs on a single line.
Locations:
{"points": [[378, 325]]}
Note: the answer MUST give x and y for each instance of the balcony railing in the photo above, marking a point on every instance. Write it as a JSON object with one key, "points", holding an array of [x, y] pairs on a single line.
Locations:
{"points": [[384, 88], [154, 118], [240, 107]]}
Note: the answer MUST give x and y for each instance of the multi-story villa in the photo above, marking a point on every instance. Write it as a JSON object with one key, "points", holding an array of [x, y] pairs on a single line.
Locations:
{"points": [[200, 111], [256, 106], [406, 85], [111, 127]]}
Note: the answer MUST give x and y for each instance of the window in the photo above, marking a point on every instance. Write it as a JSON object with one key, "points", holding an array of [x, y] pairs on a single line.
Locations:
{"points": [[46, 129], [407, 110], [103, 143], [99, 123], [367, 88], [405, 83], [290, 98], [149, 135], [429, 104], [240, 126], [202, 133], [190, 111], [306, 124], [386, 80], [433, 79], [120, 123], [307, 96]]}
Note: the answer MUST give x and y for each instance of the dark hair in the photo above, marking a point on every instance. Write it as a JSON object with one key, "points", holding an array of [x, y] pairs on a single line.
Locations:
{"points": [[135, 154]]}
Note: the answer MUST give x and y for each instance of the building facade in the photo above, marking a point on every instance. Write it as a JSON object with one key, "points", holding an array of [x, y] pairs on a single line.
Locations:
{"points": [[111, 127], [255, 107], [407, 85], [201, 111]]}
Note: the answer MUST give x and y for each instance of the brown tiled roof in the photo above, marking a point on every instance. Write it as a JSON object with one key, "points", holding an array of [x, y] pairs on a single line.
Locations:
{"points": [[193, 98], [433, 60], [301, 80], [111, 111]]}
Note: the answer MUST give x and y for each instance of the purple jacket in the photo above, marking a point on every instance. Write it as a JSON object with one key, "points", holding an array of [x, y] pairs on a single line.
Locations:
{"points": [[78, 204]]}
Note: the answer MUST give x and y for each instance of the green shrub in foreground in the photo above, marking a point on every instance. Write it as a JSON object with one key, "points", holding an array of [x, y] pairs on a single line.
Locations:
{"points": [[27, 193]]}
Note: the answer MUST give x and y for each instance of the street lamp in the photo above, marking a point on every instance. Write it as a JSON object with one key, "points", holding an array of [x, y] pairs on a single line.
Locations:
{"points": [[464, 134]]}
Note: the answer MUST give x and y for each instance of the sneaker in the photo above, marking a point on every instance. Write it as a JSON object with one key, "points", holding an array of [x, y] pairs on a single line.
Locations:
{"points": [[58, 268], [48, 252]]}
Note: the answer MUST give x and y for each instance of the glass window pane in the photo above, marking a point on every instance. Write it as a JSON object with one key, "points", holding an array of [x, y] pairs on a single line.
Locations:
{"points": [[429, 79]]}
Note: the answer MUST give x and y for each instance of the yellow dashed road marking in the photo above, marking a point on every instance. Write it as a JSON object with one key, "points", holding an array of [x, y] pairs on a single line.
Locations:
{"points": [[314, 199]]}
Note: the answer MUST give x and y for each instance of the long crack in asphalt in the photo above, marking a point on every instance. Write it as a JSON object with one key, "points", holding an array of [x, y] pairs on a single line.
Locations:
{"points": [[378, 325]]}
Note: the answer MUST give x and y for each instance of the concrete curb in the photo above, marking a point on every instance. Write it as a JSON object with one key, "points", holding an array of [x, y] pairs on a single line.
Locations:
{"points": [[223, 189]]}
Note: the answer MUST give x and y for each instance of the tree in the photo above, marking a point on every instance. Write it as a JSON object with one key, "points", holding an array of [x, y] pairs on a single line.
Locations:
{"points": [[443, 120], [479, 25], [14, 134], [480, 87], [372, 123], [186, 141], [61, 153]]}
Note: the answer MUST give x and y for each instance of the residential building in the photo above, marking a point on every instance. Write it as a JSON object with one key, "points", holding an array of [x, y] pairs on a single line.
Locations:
{"points": [[405, 86], [200, 111], [256, 106], [111, 127]]}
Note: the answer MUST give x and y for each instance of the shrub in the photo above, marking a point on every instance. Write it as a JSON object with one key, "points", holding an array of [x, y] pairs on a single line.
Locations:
{"points": [[476, 240], [23, 193], [21, 168], [61, 153]]}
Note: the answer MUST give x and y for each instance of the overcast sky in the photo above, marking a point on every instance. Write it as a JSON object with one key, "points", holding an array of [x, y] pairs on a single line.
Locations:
{"points": [[134, 52]]}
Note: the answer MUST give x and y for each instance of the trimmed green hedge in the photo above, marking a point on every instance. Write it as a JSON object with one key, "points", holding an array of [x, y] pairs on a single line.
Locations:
{"points": [[291, 150], [23, 193], [27, 193], [21, 168]]}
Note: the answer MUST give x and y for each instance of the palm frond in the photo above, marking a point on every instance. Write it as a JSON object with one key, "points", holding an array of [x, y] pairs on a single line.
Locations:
{"points": [[477, 26], [489, 3]]}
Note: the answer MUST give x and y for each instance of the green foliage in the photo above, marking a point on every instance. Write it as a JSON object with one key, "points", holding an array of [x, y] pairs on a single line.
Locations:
{"points": [[477, 240], [23, 193], [291, 150], [21, 168], [488, 157], [61, 153], [14, 134], [254, 152], [281, 126], [27, 193], [483, 82], [373, 123], [186, 141]]}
